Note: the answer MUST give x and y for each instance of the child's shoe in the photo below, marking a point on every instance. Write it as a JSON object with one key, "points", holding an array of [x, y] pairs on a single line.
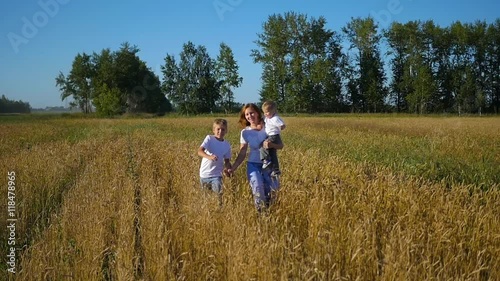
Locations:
{"points": [[265, 163]]}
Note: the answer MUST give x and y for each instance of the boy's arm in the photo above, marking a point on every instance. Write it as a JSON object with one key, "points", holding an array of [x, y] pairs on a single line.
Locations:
{"points": [[202, 153], [227, 168]]}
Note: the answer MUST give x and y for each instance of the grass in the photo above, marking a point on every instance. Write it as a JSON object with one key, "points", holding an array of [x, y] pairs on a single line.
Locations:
{"points": [[451, 149], [362, 197]]}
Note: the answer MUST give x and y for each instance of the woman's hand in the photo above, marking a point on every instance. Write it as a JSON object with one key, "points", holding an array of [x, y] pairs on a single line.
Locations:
{"points": [[268, 144], [228, 172]]}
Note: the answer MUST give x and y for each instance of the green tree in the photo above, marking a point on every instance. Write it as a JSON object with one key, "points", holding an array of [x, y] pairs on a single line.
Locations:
{"points": [[124, 74], [131, 76], [301, 62], [398, 40], [226, 73], [171, 78], [325, 74], [11, 106], [423, 87], [115, 82], [107, 95], [413, 84], [460, 65], [455, 68], [370, 78], [191, 84], [107, 103], [274, 48], [78, 83], [478, 44], [104, 69], [492, 75]]}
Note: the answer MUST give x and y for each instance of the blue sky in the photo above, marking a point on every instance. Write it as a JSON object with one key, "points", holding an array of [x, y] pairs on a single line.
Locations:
{"points": [[40, 38]]}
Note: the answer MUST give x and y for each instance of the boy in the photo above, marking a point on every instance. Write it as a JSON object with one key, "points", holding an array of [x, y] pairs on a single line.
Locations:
{"points": [[273, 126], [216, 155]]}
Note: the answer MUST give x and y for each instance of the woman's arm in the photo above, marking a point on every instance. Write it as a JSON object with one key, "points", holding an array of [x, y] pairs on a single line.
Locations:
{"points": [[241, 156], [267, 144]]}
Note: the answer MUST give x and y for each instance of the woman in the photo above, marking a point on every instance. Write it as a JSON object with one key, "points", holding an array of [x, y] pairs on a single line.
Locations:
{"points": [[254, 136]]}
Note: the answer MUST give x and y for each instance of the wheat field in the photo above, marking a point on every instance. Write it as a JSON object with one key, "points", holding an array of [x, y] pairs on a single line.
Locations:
{"points": [[362, 198]]}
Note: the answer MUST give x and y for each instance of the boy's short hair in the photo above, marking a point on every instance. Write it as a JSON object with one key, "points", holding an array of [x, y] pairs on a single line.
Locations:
{"points": [[220, 122], [269, 105]]}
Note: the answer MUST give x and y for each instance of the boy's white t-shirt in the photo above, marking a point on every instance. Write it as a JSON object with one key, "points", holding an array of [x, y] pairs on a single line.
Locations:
{"points": [[273, 125], [213, 146]]}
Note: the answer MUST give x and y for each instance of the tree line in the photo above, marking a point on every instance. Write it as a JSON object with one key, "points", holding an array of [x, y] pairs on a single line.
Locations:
{"points": [[431, 68], [120, 82], [113, 83], [12, 106], [414, 67]]}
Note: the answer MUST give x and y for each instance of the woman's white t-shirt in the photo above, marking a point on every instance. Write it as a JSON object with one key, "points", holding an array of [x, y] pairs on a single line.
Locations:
{"points": [[254, 139]]}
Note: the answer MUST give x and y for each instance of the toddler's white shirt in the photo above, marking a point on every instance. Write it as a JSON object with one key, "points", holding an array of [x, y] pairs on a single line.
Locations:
{"points": [[273, 125]]}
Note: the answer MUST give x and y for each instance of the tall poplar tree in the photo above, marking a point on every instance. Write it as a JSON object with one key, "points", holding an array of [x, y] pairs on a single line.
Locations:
{"points": [[301, 61], [273, 54], [370, 79], [191, 84], [226, 73], [493, 66]]}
